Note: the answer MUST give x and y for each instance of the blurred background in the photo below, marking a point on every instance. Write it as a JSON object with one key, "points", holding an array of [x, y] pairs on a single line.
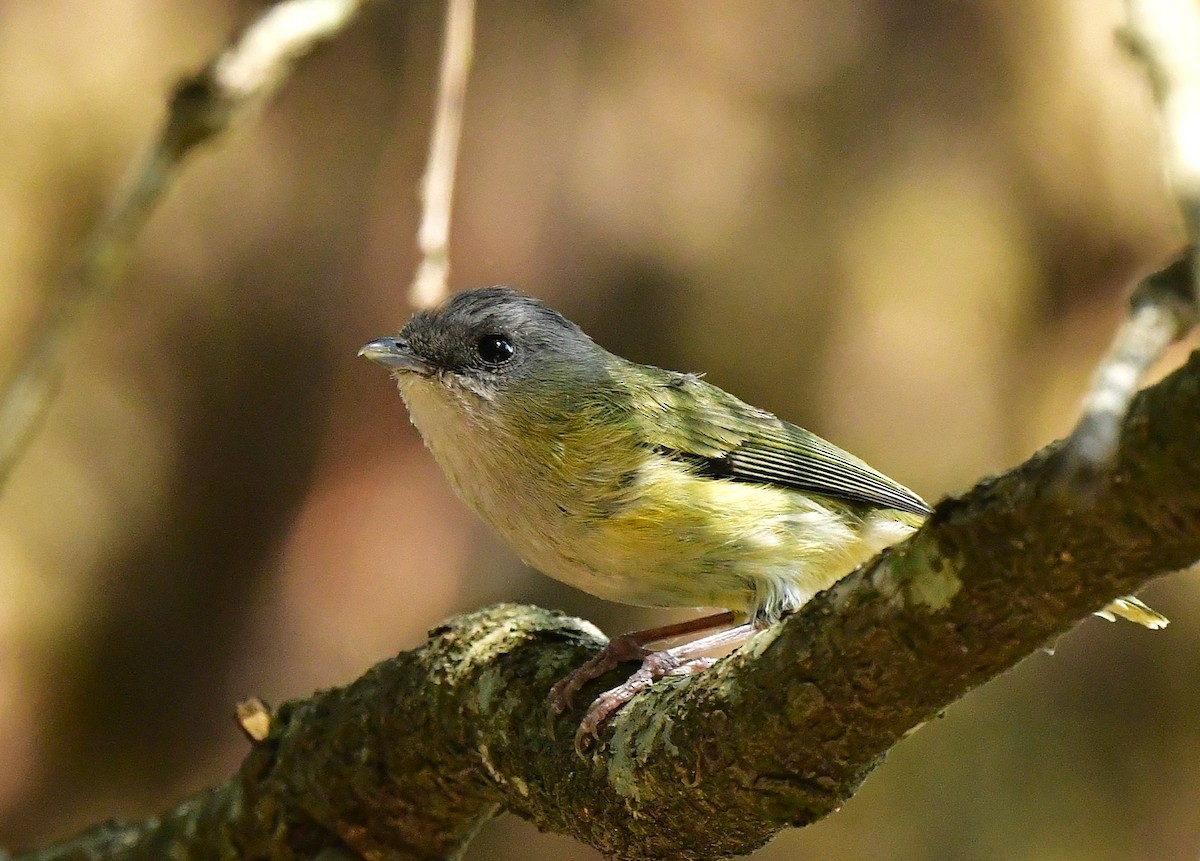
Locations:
{"points": [[908, 225]]}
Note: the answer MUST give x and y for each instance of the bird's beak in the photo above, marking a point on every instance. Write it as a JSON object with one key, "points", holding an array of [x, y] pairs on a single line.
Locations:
{"points": [[397, 355]]}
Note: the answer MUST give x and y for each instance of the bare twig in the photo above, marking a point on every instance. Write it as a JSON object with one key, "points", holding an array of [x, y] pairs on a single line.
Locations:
{"points": [[202, 106], [1162, 310], [437, 187], [1165, 36]]}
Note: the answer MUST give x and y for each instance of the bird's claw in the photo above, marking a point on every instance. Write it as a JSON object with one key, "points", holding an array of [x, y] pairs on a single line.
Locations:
{"points": [[655, 666], [617, 651]]}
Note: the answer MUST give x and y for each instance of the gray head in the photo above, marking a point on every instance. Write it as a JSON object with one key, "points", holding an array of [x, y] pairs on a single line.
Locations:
{"points": [[481, 340]]}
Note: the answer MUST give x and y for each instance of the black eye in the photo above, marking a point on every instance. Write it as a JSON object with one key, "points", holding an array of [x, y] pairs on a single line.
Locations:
{"points": [[494, 349]]}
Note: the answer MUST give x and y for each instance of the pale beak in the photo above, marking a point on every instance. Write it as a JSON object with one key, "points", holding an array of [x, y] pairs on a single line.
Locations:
{"points": [[397, 355]]}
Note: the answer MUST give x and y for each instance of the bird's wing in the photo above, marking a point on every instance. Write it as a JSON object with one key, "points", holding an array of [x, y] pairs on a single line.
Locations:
{"points": [[720, 436]]}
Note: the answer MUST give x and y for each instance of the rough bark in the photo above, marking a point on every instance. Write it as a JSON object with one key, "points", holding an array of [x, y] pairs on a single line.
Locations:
{"points": [[409, 760]]}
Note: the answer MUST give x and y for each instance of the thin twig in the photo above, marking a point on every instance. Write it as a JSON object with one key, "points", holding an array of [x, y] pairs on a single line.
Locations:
{"points": [[1162, 310], [1165, 36], [202, 106], [437, 187]]}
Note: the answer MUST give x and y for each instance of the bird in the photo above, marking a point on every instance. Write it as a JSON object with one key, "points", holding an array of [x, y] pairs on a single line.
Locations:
{"points": [[638, 484]]}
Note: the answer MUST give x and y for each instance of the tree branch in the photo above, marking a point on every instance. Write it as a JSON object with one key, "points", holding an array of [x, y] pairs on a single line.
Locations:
{"points": [[410, 759], [1162, 310], [203, 106], [1163, 35]]}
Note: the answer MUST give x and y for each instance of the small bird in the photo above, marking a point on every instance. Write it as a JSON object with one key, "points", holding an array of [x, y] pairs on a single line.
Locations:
{"points": [[638, 484]]}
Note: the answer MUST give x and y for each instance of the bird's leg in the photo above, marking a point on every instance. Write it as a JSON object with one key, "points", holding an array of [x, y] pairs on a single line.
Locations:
{"points": [[680, 661], [629, 647]]}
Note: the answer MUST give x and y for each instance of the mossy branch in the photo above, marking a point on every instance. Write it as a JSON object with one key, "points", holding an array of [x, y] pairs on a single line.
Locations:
{"points": [[409, 760]]}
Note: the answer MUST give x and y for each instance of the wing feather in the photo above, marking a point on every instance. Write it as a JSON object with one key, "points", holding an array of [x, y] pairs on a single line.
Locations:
{"points": [[697, 423]]}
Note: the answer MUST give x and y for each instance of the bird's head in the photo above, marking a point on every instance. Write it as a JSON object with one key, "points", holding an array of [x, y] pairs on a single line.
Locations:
{"points": [[488, 349]]}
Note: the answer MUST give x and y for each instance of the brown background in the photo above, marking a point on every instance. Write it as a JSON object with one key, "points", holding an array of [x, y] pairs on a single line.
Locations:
{"points": [[909, 226]]}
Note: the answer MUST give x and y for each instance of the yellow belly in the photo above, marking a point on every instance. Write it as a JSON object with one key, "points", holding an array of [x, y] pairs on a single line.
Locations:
{"points": [[687, 541]]}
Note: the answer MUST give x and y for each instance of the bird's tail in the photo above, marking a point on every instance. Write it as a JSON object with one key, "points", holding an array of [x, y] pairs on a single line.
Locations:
{"points": [[1135, 611]]}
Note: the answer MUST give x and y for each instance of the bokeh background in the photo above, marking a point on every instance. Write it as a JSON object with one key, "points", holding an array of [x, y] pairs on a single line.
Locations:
{"points": [[908, 225]]}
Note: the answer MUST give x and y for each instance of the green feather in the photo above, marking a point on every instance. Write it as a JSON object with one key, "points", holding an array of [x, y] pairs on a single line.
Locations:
{"points": [[689, 420]]}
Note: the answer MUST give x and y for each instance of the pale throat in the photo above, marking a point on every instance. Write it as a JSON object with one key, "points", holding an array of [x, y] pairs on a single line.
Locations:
{"points": [[467, 443]]}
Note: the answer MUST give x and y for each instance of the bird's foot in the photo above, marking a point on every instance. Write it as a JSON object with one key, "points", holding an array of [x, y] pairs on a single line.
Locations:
{"points": [[616, 652], [655, 665], [632, 647], [681, 660]]}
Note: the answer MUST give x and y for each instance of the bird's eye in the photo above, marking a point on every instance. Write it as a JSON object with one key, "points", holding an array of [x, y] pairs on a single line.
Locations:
{"points": [[494, 349]]}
